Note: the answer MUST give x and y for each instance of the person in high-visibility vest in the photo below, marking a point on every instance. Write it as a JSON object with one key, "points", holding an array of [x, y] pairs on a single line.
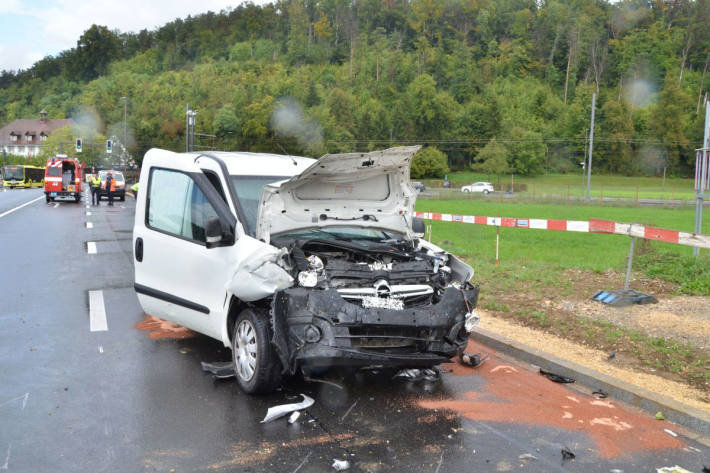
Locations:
{"points": [[95, 187], [110, 188], [134, 188]]}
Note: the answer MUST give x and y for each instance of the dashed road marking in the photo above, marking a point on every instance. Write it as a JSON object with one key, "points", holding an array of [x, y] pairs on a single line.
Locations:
{"points": [[101, 349], [89, 225], [91, 247], [88, 213], [97, 312], [20, 206]]}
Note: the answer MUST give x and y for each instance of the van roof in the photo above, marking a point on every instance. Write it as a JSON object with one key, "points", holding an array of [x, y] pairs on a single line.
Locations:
{"points": [[248, 164]]}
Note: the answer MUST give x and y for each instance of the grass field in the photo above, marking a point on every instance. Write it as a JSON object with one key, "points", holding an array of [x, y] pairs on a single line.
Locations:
{"points": [[564, 249], [608, 186]]}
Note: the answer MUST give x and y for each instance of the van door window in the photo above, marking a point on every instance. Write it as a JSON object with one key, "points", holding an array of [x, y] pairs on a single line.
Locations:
{"points": [[177, 206]]}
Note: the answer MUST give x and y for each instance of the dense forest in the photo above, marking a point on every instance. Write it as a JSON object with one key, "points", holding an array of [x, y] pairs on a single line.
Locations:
{"points": [[497, 85]]}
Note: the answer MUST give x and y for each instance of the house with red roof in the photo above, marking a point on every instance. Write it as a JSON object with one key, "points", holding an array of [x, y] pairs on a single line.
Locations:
{"points": [[25, 137]]}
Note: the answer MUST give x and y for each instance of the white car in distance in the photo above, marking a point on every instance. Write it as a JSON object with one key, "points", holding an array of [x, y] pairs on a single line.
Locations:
{"points": [[483, 187]]}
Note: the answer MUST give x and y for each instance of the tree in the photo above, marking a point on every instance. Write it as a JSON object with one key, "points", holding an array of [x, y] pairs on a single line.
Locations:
{"points": [[429, 162], [225, 121], [96, 48], [493, 159]]}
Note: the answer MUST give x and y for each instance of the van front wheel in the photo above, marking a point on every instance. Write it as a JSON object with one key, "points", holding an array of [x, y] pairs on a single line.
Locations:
{"points": [[256, 364]]}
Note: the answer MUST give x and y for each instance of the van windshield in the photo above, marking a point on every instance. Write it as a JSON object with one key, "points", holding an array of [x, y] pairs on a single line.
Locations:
{"points": [[248, 190]]}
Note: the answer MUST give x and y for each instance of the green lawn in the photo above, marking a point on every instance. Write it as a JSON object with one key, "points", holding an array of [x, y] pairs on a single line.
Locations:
{"points": [[610, 186], [560, 249]]}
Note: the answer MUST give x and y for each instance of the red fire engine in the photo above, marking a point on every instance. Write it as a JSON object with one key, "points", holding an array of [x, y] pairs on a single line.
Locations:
{"points": [[63, 178]]}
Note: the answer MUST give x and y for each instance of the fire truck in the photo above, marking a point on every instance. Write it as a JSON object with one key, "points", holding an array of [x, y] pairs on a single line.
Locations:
{"points": [[63, 178]]}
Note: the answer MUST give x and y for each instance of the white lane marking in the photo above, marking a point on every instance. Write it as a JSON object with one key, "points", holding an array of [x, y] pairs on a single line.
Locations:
{"points": [[101, 349], [4, 466], [91, 247], [97, 312], [20, 206], [89, 225], [88, 213]]}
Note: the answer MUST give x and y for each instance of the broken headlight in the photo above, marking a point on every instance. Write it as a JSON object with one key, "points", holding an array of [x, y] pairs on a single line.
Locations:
{"points": [[310, 277]]}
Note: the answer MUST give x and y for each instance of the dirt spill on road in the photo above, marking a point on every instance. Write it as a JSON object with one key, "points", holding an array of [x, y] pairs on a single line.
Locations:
{"points": [[159, 328], [529, 398]]}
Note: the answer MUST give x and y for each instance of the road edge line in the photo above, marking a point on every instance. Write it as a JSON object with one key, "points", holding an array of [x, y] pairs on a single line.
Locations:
{"points": [[648, 401]]}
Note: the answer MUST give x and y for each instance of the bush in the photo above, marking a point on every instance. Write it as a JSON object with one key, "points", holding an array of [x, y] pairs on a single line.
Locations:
{"points": [[429, 162]]}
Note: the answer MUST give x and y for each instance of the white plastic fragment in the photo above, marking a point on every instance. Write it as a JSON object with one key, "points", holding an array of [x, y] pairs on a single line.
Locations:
{"points": [[673, 469], [527, 456], [670, 432], [341, 465], [280, 411], [294, 417]]}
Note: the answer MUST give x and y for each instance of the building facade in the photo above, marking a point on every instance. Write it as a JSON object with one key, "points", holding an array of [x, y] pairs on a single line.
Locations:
{"points": [[25, 137]]}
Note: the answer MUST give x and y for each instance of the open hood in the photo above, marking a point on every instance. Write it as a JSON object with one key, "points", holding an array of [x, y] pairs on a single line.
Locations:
{"points": [[350, 189]]}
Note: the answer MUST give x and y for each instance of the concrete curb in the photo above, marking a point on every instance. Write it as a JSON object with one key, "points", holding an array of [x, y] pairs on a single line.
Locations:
{"points": [[674, 411]]}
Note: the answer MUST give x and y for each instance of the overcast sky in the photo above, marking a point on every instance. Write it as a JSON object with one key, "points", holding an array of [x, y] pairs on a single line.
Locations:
{"points": [[33, 29]]}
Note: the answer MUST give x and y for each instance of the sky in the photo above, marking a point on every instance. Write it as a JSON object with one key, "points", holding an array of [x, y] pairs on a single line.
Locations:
{"points": [[33, 29]]}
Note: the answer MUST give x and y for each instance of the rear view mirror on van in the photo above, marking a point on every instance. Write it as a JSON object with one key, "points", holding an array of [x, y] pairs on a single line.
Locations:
{"points": [[213, 232]]}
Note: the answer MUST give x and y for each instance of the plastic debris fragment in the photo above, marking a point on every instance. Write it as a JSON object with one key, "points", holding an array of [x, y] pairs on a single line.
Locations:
{"points": [[670, 432], [567, 454], [294, 417], [600, 394], [341, 465], [673, 469], [659, 416], [556, 377], [474, 360], [416, 374], [220, 369], [283, 409], [527, 456]]}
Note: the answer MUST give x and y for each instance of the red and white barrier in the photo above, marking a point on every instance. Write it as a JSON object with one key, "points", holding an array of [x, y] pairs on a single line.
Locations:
{"points": [[591, 226]]}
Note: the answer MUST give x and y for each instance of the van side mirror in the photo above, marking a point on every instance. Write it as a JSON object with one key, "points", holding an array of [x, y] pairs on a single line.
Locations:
{"points": [[418, 226], [213, 232]]}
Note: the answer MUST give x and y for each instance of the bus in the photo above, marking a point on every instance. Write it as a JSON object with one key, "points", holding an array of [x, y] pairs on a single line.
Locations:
{"points": [[18, 175]]}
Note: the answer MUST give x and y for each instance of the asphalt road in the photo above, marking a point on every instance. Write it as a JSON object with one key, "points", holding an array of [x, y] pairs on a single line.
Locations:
{"points": [[133, 397]]}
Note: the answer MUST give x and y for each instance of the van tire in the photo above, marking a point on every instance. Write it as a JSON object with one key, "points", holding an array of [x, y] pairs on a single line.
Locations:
{"points": [[252, 327]]}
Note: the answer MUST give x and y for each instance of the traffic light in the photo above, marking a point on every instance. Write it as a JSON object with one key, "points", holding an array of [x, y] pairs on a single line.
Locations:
{"points": [[78, 145], [109, 144]]}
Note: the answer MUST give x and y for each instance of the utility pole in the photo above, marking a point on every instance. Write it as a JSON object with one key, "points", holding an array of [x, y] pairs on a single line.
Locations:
{"points": [[702, 171], [125, 104], [591, 145], [187, 128]]}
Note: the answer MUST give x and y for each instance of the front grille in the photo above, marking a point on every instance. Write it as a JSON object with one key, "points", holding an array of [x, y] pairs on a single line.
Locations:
{"points": [[398, 297]]}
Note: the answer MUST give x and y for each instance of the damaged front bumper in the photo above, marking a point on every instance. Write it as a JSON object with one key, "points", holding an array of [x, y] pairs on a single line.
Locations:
{"points": [[318, 328]]}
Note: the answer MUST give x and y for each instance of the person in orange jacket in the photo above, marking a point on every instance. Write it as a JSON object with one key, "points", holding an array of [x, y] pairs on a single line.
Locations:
{"points": [[110, 188]]}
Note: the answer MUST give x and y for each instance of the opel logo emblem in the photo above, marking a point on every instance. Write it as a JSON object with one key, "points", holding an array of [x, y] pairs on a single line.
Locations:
{"points": [[382, 288]]}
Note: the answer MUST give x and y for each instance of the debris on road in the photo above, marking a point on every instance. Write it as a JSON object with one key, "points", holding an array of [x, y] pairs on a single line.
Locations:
{"points": [[600, 394], [527, 456], [611, 356], [474, 360], [220, 369], [567, 454], [283, 409], [670, 432], [659, 416], [416, 374], [556, 377], [673, 469], [341, 465], [294, 417]]}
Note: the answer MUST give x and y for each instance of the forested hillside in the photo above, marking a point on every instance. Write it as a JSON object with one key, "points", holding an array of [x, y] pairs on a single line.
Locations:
{"points": [[500, 85]]}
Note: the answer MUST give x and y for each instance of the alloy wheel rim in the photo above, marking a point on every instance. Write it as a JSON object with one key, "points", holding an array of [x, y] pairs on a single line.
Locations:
{"points": [[245, 355]]}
